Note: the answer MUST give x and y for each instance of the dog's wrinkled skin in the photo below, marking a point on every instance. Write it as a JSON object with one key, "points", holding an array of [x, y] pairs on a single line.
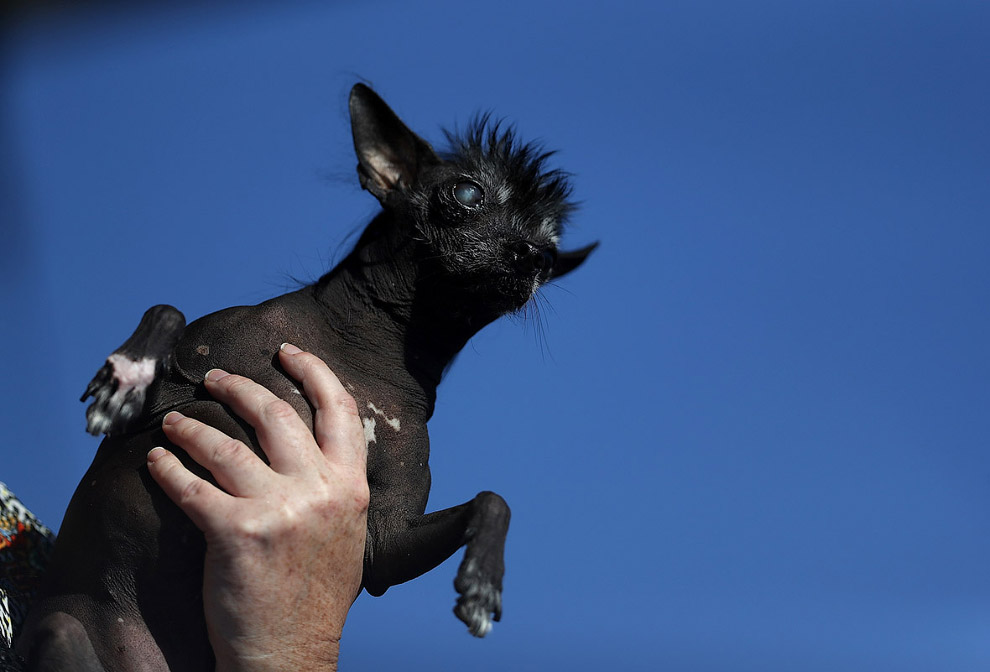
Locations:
{"points": [[462, 238]]}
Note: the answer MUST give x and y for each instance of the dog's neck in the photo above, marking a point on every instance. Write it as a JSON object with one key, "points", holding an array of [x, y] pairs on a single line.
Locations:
{"points": [[393, 318]]}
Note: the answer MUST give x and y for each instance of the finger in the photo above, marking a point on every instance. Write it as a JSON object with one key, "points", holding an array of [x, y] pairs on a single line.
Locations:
{"points": [[337, 423], [282, 434], [203, 502], [235, 466]]}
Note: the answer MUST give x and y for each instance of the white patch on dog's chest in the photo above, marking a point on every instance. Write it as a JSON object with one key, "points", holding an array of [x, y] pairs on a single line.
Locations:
{"points": [[369, 430], [370, 423], [394, 423]]}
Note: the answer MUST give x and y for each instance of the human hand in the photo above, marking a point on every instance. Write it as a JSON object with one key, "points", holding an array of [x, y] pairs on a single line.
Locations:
{"points": [[284, 543]]}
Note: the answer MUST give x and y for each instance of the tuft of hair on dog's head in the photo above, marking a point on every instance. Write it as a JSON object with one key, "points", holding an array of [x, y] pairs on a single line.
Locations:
{"points": [[488, 212], [491, 148]]}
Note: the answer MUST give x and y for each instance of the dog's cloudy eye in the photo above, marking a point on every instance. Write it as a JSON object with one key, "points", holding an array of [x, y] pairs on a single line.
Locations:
{"points": [[468, 194]]}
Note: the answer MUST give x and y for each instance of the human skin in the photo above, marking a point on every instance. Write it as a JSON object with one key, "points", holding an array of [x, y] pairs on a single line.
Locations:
{"points": [[285, 540]]}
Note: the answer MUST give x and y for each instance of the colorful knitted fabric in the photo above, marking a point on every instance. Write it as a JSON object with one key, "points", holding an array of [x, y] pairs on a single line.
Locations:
{"points": [[25, 547]]}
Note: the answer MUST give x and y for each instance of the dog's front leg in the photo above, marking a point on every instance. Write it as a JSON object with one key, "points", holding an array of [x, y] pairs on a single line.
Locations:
{"points": [[119, 388], [398, 553]]}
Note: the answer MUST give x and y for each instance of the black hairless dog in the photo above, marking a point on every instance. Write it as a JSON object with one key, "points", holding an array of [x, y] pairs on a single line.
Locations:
{"points": [[462, 238]]}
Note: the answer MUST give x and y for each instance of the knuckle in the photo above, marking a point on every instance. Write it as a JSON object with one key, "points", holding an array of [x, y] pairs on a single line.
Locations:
{"points": [[361, 494], [344, 403], [279, 411], [348, 490], [311, 361], [237, 384], [229, 451], [332, 494], [191, 492], [308, 359], [251, 528]]}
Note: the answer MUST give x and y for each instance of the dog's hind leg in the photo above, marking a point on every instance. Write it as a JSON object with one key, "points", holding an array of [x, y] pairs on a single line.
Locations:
{"points": [[119, 388], [61, 644], [394, 556]]}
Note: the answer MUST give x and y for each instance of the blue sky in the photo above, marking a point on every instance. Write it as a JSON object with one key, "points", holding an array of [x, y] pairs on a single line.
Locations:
{"points": [[752, 433]]}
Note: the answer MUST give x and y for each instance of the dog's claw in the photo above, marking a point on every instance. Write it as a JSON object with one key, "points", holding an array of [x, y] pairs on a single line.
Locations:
{"points": [[118, 391], [480, 600], [119, 388]]}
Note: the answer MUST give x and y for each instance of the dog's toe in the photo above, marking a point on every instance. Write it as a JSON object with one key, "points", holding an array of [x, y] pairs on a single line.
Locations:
{"points": [[118, 390], [480, 600]]}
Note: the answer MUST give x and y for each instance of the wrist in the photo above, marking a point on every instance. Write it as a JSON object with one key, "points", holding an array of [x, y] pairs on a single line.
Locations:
{"points": [[318, 658]]}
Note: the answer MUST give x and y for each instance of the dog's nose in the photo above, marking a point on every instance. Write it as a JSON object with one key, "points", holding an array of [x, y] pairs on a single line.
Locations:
{"points": [[528, 258]]}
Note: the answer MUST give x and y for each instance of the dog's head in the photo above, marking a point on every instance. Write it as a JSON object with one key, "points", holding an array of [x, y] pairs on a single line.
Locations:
{"points": [[487, 213]]}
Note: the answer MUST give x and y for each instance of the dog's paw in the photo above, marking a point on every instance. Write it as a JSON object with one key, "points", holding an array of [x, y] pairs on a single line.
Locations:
{"points": [[480, 600], [118, 390]]}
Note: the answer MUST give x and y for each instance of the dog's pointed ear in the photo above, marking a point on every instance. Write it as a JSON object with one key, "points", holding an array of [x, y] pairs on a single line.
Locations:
{"points": [[568, 261], [390, 156]]}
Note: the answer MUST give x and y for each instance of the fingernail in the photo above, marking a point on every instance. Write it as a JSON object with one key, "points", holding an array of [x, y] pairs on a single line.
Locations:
{"points": [[213, 375], [171, 418], [289, 349], [155, 453]]}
